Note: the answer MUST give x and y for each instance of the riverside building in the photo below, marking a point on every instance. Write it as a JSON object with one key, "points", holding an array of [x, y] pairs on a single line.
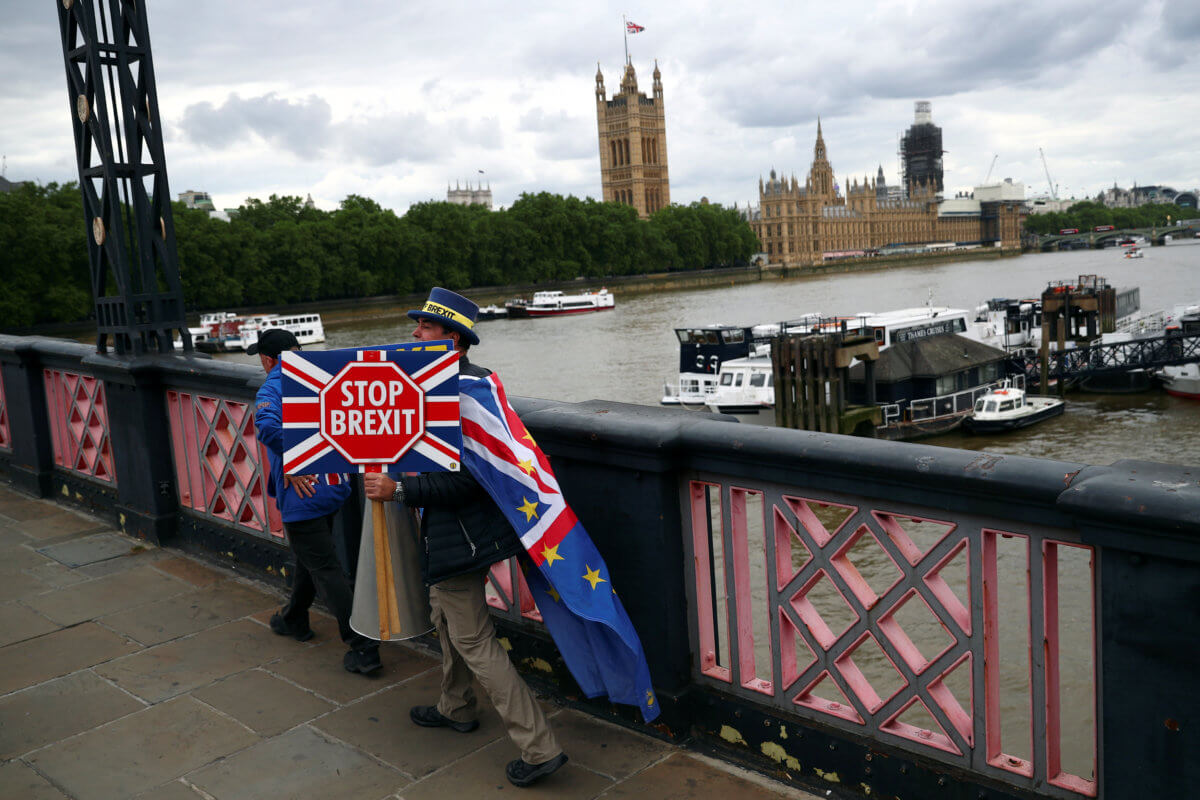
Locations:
{"points": [[633, 144], [802, 224]]}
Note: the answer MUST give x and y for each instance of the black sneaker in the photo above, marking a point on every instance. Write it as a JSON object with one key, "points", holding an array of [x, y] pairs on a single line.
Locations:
{"points": [[280, 627], [522, 773], [430, 717], [362, 661]]}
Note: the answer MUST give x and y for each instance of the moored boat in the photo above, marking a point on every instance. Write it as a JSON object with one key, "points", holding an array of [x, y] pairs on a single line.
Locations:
{"points": [[1007, 408], [704, 349], [225, 330], [1182, 381], [492, 311], [307, 328], [555, 303], [745, 385]]}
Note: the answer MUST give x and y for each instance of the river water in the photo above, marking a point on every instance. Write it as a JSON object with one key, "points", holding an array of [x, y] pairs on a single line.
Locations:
{"points": [[627, 354]]}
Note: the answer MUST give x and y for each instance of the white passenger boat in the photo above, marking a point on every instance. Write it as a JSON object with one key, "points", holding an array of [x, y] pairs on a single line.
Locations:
{"points": [[1007, 408], [745, 385], [702, 351], [557, 304], [1134, 252], [225, 330], [307, 328]]}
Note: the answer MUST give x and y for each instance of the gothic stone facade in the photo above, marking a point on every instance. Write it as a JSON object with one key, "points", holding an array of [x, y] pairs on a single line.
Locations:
{"points": [[633, 144], [804, 225]]}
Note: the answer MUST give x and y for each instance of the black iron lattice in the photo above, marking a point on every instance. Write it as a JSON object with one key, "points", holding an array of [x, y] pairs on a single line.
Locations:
{"points": [[122, 175]]}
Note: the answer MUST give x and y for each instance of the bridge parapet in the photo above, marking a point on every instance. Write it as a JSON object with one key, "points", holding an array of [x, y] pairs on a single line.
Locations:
{"points": [[894, 618]]}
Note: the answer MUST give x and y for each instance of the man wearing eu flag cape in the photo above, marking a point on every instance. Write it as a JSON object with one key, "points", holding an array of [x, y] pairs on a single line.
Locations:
{"points": [[507, 501]]}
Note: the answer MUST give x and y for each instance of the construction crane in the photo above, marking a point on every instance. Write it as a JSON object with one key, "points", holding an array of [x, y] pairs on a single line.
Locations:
{"points": [[990, 168], [1053, 190]]}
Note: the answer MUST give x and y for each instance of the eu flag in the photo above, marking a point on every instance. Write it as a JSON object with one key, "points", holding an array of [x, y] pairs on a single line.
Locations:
{"points": [[571, 584]]}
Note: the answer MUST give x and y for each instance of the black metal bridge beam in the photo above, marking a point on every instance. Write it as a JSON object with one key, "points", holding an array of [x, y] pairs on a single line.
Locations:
{"points": [[122, 175], [1080, 362]]}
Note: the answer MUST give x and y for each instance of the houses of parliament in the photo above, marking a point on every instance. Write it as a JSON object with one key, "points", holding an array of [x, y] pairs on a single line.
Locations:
{"points": [[803, 224]]}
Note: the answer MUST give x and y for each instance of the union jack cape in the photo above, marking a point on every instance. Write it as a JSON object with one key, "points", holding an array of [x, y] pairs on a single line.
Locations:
{"points": [[571, 584]]}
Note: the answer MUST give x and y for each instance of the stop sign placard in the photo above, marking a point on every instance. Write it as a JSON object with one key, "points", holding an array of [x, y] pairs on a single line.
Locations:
{"points": [[372, 412]]}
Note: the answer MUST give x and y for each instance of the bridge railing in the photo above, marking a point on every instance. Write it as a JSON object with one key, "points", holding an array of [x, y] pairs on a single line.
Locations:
{"points": [[895, 619]]}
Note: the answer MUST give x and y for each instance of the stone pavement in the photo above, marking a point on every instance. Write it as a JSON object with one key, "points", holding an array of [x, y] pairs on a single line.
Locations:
{"points": [[129, 671]]}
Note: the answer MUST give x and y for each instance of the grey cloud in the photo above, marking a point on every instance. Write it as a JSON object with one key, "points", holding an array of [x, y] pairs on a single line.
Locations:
{"points": [[537, 120], [412, 138], [559, 135], [379, 141], [937, 52], [301, 126]]}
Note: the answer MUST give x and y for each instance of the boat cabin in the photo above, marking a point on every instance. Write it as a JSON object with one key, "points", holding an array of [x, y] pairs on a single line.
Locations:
{"points": [[998, 402], [704, 349], [928, 368], [908, 324]]}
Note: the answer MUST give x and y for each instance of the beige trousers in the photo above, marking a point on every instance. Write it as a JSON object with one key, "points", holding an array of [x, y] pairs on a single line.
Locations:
{"points": [[469, 647]]}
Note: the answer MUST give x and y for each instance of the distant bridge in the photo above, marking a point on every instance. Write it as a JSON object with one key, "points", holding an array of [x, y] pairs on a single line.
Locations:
{"points": [[1097, 239], [1073, 364]]}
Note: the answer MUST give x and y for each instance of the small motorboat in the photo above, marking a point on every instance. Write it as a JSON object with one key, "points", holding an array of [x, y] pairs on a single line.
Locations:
{"points": [[1007, 408], [1134, 252]]}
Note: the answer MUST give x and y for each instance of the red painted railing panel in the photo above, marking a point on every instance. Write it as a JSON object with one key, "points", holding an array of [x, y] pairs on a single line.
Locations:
{"points": [[5, 433], [78, 415], [885, 622], [501, 578], [220, 467]]}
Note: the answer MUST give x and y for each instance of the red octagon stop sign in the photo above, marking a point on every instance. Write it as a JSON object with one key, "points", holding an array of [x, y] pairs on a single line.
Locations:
{"points": [[372, 412]]}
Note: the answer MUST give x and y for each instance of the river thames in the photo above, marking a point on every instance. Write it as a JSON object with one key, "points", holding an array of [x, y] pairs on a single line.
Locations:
{"points": [[626, 354]]}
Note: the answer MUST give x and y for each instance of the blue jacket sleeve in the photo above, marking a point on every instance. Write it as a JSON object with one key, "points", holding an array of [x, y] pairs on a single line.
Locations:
{"points": [[268, 414]]}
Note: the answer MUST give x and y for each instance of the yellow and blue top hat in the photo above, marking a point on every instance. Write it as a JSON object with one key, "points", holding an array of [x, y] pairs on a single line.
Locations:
{"points": [[452, 311]]}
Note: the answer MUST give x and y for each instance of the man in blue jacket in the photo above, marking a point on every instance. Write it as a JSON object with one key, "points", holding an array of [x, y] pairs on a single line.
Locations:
{"points": [[306, 504]]}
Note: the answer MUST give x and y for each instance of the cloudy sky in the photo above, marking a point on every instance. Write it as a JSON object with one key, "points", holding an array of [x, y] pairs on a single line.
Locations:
{"points": [[393, 100]]}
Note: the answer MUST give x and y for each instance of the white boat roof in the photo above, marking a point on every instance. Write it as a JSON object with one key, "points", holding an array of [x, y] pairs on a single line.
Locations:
{"points": [[746, 362], [906, 315]]}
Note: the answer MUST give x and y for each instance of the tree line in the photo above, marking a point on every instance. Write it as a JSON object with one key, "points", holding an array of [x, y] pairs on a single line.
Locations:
{"points": [[279, 251], [1088, 214]]}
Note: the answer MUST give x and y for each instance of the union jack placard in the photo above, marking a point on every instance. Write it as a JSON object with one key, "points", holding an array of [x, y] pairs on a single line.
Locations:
{"points": [[374, 409]]}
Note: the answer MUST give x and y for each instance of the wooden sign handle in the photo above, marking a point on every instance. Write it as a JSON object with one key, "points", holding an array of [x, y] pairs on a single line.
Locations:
{"points": [[389, 614]]}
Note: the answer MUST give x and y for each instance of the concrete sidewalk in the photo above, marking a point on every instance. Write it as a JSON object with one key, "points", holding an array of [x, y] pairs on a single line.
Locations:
{"points": [[133, 671]]}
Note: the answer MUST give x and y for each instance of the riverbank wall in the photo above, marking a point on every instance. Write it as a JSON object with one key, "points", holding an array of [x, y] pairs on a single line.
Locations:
{"points": [[382, 306]]}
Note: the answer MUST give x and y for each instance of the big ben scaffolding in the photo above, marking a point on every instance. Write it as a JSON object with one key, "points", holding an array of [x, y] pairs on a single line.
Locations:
{"points": [[633, 144]]}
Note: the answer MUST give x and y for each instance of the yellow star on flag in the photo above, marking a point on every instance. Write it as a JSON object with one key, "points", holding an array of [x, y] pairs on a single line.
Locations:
{"points": [[526, 466], [529, 509], [551, 555], [554, 593], [593, 577], [529, 436]]}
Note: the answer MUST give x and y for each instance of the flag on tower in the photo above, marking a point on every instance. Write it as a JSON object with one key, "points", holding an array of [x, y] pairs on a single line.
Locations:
{"points": [[633, 27], [571, 583]]}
